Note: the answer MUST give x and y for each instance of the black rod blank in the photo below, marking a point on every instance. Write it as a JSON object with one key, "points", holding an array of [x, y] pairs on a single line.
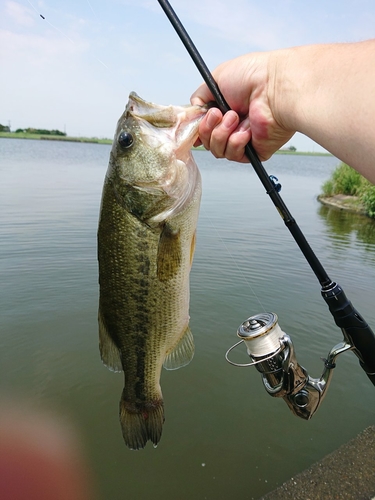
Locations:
{"points": [[250, 152], [356, 331]]}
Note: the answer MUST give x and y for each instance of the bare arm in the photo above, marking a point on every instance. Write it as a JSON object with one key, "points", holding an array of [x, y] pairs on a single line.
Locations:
{"points": [[326, 92], [331, 94]]}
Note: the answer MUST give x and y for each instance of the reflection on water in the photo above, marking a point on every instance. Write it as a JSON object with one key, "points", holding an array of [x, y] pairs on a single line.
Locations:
{"points": [[224, 436], [348, 228]]}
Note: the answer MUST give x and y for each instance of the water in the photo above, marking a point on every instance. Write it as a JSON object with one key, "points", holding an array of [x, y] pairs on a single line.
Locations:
{"points": [[224, 436]]}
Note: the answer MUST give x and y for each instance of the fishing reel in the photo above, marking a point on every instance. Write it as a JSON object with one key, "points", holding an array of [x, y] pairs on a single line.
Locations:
{"points": [[272, 353]]}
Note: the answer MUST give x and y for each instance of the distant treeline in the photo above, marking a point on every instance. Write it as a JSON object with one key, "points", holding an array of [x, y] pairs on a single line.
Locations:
{"points": [[30, 130], [40, 131]]}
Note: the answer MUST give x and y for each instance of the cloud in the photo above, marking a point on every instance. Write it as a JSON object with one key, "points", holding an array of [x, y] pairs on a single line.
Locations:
{"points": [[78, 65], [18, 14], [27, 49], [270, 25], [240, 21]]}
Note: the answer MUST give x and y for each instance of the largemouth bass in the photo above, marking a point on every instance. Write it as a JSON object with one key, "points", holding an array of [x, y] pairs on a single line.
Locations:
{"points": [[146, 241]]}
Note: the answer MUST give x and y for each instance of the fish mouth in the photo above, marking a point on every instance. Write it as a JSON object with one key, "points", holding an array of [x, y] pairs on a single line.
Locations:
{"points": [[159, 115], [172, 130], [179, 122]]}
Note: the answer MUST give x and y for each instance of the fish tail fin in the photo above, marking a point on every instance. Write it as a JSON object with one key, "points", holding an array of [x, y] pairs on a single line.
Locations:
{"points": [[141, 422]]}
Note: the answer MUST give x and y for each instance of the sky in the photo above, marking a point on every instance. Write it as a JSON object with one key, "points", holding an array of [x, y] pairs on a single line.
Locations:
{"points": [[74, 69]]}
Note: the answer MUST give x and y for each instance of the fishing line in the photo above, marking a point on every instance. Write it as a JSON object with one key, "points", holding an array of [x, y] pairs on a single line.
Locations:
{"points": [[272, 189], [358, 335], [246, 281], [92, 10], [64, 34], [239, 269], [52, 26]]}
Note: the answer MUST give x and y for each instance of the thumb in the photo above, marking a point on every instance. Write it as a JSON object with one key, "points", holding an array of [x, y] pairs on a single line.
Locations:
{"points": [[201, 96]]}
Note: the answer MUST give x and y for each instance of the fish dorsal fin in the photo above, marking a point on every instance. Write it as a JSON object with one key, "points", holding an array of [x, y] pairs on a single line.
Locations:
{"points": [[108, 350], [169, 253], [182, 353]]}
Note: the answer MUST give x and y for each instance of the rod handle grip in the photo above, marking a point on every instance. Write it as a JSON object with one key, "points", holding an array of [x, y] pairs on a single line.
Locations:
{"points": [[355, 329]]}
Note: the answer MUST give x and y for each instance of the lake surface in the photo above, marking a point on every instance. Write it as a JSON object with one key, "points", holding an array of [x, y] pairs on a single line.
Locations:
{"points": [[224, 436]]}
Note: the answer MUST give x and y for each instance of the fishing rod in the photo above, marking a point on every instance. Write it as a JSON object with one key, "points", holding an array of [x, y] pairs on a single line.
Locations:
{"points": [[270, 349]]}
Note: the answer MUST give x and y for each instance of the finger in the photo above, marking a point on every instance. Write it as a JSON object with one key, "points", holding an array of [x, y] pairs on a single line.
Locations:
{"points": [[207, 125], [221, 133], [201, 96], [235, 150]]}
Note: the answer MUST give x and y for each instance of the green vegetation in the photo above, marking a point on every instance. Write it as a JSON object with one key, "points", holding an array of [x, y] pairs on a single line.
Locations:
{"points": [[40, 131], [368, 199], [30, 130], [345, 180], [56, 137]]}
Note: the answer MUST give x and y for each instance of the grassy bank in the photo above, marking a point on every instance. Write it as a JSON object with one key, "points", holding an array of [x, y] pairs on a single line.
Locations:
{"points": [[25, 135], [347, 181]]}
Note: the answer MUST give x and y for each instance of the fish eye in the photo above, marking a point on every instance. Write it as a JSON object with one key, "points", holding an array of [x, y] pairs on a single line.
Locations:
{"points": [[125, 140]]}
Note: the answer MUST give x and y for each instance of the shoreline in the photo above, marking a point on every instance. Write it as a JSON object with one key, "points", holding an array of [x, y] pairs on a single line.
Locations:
{"points": [[347, 473], [344, 202], [96, 140]]}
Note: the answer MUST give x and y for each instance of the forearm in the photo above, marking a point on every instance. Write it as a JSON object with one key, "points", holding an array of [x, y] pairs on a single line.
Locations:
{"points": [[327, 92]]}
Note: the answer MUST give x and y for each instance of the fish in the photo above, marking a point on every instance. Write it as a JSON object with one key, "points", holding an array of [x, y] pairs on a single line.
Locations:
{"points": [[146, 242]]}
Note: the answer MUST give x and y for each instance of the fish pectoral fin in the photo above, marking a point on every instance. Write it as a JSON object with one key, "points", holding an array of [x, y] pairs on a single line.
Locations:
{"points": [[182, 353], [192, 247], [169, 253], [108, 350]]}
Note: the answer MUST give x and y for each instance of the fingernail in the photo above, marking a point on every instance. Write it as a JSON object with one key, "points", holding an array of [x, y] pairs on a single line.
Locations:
{"points": [[213, 117], [230, 118]]}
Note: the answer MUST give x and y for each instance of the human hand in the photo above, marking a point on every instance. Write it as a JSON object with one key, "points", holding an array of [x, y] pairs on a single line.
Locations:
{"points": [[248, 85]]}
